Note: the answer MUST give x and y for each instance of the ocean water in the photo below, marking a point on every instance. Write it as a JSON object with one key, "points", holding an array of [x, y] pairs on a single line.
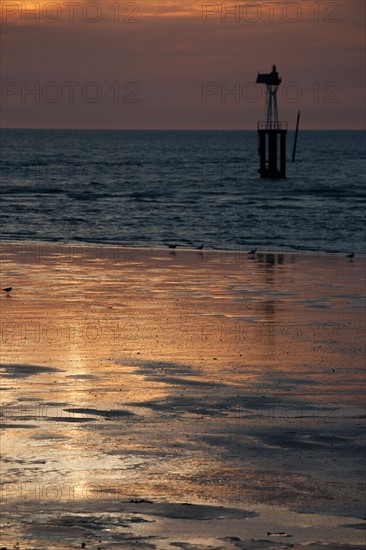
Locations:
{"points": [[150, 188]]}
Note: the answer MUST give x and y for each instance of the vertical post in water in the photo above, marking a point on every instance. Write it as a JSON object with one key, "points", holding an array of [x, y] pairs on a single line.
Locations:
{"points": [[272, 145], [297, 131], [262, 151], [283, 155]]}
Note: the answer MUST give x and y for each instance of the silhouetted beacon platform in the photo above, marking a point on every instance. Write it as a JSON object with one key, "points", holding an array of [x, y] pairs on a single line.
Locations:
{"points": [[272, 133]]}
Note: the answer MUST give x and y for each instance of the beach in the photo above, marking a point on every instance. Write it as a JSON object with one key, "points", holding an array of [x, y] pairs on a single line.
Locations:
{"points": [[165, 399]]}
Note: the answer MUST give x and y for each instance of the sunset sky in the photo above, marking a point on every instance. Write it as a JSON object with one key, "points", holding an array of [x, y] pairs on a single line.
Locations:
{"points": [[159, 64]]}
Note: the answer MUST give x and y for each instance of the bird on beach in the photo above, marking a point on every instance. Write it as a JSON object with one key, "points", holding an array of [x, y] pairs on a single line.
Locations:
{"points": [[172, 246], [200, 247], [252, 252], [8, 289], [351, 256]]}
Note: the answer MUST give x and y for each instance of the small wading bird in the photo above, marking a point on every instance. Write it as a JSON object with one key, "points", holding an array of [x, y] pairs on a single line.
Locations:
{"points": [[8, 289], [252, 252], [351, 256], [172, 246], [200, 247]]}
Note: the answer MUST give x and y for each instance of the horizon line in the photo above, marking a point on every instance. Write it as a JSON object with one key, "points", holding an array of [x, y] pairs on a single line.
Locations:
{"points": [[181, 129]]}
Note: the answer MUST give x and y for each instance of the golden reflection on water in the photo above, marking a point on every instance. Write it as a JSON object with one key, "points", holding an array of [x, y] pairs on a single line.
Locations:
{"points": [[164, 371]]}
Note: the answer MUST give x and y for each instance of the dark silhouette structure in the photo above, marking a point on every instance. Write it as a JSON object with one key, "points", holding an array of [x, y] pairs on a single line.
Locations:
{"points": [[272, 133]]}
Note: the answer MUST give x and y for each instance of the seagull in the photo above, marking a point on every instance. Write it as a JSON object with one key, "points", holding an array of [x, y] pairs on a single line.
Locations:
{"points": [[351, 256], [8, 289]]}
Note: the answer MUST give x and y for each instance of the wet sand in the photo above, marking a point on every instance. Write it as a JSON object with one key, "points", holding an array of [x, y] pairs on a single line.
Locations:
{"points": [[153, 399]]}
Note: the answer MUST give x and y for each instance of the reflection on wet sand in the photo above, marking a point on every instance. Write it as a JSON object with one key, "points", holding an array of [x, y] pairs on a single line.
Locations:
{"points": [[144, 392]]}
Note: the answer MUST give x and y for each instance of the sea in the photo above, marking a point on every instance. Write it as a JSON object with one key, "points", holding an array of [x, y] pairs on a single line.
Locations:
{"points": [[154, 188]]}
